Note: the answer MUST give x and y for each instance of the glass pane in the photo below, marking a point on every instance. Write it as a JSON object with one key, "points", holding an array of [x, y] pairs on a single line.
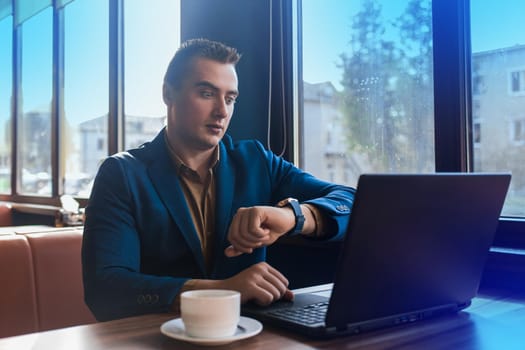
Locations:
{"points": [[84, 141], [368, 88], [6, 78], [498, 93], [34, 128], [154, 25]]}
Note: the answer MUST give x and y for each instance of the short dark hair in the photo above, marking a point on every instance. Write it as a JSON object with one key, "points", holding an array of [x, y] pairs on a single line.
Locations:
{"points": [[197, 48]]}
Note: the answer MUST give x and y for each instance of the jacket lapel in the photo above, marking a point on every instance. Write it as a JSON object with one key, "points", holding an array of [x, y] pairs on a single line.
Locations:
{"points": [[164, 177], [225, 187]]}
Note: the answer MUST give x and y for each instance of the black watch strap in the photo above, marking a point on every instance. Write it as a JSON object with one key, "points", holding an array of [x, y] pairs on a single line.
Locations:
{"points": [[299, 217]]}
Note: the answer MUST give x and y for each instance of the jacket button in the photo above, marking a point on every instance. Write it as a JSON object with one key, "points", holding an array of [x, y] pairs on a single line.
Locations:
{"points": [[343, 208]]}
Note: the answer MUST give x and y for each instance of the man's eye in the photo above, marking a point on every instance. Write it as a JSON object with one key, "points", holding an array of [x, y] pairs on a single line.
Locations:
{"points": [[206, 94], [230, 100]]}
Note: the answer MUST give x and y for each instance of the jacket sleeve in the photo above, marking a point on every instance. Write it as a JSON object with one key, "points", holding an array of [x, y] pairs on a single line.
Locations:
{"points": [[333, 201], [114, 287]]}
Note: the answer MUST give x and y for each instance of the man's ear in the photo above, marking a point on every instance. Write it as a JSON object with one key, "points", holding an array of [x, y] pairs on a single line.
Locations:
{"points": [[167, 94]]}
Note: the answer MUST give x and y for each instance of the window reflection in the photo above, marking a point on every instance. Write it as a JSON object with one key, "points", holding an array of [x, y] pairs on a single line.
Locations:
{"points": [[34, 105], [373, 97]]}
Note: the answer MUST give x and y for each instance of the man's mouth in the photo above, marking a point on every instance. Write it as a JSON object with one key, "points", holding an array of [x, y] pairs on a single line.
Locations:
{"points": [[214, 127]]}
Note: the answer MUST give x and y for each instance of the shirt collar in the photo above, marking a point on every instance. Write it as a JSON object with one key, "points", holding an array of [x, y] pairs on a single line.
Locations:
{"points": [[179, 164]]}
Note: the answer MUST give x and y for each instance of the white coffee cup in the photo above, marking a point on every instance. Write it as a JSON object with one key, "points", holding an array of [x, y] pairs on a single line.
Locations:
{"points": [[210, 313]]}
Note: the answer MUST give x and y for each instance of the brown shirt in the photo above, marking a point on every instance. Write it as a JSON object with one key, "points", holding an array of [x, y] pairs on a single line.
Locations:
{"points": [[200, 198]]}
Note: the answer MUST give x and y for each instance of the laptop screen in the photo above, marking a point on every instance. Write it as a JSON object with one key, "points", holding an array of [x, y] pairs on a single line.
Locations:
{"points": [[415, 242]]}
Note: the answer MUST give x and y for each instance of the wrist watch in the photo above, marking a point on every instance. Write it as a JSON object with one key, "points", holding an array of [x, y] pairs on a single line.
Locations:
{"points": [[299, 217]]}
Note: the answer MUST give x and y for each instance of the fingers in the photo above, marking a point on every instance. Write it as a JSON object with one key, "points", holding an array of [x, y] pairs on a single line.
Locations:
{"points": [[288, 295], [246, 231], [231, 252], [270, 285], [251, 229]]}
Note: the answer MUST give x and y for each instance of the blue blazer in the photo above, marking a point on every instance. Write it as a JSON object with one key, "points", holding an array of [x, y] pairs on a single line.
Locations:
{"points": [[140, 245]]}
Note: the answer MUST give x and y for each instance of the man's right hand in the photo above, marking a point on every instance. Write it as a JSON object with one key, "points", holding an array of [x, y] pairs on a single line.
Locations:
{"points": [[260, 283]]}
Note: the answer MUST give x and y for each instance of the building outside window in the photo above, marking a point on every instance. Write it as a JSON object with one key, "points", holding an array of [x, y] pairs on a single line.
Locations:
{"points": [[500, 55]]}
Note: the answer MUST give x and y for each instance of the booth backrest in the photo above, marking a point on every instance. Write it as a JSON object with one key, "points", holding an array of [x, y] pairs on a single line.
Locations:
{"points": [[6, 214], [41, 279]]}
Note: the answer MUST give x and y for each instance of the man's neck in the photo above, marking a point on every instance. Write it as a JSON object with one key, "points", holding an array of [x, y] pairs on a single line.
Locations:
{"points": [[198, 160]]}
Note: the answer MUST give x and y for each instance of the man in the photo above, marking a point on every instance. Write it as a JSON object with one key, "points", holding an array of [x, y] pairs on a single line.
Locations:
{"points": [[194, 210]]}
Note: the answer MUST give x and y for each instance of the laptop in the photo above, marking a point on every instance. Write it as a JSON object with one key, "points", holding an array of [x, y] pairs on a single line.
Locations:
{"points": [[415, 248]]}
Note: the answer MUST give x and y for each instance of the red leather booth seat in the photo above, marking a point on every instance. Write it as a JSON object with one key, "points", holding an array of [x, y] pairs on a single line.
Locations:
{"points": [[41, 279], [18, 311]]}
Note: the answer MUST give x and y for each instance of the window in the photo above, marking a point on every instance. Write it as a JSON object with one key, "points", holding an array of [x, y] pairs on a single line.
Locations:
{"points": [[377, 56], [500, 55], [34, 105], [476, 106], [375, 87], [517, 81], [478, 86], [69, 72], [476, 122], [101, 144], [6, 74], [85, 93], [518, 131], [477, 133], [154, 25]]}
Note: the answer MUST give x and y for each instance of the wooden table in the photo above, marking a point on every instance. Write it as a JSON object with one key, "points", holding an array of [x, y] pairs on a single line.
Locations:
{"points": [[490, 323]]}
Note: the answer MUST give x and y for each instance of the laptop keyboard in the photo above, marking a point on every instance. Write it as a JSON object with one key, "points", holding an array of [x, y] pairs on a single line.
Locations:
{"points": [[309, 314]]}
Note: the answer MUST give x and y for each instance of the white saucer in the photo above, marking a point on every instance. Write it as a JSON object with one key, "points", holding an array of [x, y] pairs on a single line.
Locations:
{"points": [[248, 327]]}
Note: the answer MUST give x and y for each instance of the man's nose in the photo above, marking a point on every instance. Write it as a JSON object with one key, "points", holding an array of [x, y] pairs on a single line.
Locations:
{"points": [[221, 109]]}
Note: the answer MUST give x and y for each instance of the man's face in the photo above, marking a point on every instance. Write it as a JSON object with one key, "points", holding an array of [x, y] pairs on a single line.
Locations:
{"points": [[199, 112]]}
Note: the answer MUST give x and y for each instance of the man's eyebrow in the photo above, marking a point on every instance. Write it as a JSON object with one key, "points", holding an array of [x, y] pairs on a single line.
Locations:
{"points": [[209, 85]]}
